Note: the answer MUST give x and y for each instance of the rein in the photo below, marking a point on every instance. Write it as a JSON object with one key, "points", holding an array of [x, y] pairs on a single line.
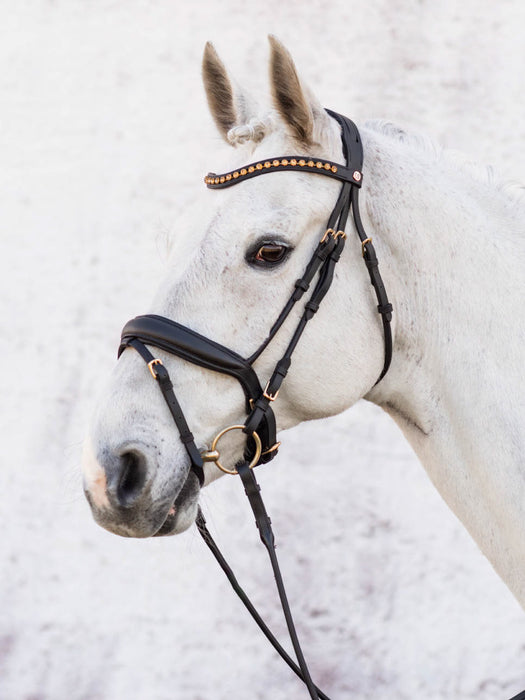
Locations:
{"points": [[260, 426]]}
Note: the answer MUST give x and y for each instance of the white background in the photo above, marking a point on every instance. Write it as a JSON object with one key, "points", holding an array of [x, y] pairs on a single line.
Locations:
{"points": [[104, 139]]}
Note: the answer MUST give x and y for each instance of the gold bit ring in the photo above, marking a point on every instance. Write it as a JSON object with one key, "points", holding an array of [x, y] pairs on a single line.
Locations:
{"points": [[213, 455]]}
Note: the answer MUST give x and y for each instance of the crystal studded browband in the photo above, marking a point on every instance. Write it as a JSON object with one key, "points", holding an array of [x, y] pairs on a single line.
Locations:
{"points": [[321, 167]]}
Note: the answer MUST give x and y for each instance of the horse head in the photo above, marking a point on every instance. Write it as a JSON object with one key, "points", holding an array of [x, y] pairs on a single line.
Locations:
{"points": [[230, 274]]}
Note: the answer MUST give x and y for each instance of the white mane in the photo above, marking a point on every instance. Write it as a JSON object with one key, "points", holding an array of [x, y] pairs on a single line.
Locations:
{"points": [[485, 174]]}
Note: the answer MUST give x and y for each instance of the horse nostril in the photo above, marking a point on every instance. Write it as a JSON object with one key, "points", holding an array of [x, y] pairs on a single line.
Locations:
{"points": [[132, 477]]}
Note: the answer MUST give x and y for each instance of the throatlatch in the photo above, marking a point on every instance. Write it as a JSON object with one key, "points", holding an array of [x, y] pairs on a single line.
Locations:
{"points": [[259, 427]]}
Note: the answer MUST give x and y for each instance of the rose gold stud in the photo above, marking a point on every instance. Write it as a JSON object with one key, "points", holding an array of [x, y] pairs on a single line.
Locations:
{"points": [[284, 161], [357, 175], [259, 166]]}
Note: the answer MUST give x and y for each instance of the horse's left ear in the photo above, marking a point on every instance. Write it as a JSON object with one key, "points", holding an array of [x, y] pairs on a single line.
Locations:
{"points": [[301, 111]]}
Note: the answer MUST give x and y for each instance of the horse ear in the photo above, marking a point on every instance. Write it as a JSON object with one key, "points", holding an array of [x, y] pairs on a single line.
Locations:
{"points": [[224, 105], [294, 102]]}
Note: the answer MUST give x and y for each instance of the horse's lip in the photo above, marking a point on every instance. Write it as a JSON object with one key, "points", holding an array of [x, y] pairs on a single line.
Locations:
{"points": [[189, 490], [169, 524], [170, 521]]}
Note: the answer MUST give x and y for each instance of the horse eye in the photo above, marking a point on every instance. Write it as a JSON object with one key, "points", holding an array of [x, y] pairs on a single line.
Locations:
{"points": [[270, 254]]}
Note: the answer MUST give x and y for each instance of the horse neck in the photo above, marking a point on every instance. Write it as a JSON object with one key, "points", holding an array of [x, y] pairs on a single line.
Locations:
{"points": [[453, 268], [455, 386]]}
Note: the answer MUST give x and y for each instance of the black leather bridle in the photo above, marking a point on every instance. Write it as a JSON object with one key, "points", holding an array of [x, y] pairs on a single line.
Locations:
{"points": [[260, 427]]}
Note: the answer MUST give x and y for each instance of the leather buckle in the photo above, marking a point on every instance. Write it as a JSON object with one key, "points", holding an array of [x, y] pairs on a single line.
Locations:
{"points": [[274, 448], [363, 245], [328, 232], [270, 397], [151, 365]]}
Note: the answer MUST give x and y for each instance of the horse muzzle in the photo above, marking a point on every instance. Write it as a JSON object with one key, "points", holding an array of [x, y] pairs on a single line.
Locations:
{"points": [[129, 498]]}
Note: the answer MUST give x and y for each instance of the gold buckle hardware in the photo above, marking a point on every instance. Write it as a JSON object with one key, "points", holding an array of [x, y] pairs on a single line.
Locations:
{"points": [[213, 455], [151, 364], [272, 449], [363, 244], [341, 234], [270, 397], [328, 232]]}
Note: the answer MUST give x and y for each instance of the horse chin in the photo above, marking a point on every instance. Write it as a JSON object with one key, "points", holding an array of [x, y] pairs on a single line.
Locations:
{"points": [[183, 512]]}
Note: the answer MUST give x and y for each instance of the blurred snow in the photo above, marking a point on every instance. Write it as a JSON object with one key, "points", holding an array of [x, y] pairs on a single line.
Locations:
{"points": [[104, 138]]}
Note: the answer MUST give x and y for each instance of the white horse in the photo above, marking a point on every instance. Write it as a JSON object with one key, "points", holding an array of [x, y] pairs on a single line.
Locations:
{"points": [[451, 245]]}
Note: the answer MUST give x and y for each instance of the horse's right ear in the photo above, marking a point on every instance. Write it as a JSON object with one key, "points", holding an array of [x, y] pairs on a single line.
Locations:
{"points": [[219, 91]]}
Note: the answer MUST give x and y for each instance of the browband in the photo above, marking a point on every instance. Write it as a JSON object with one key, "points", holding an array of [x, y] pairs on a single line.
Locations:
{"points": [[320, 167]]}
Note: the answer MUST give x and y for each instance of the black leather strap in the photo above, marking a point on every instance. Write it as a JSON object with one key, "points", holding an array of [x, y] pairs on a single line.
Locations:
{"points": [[384, 307], [519, 696], [161, 375], [228, 571], [323, 250], [264, 525]]}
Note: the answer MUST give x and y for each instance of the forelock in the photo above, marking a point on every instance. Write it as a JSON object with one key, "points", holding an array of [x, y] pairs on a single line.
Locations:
{"points": [[253, 131]]}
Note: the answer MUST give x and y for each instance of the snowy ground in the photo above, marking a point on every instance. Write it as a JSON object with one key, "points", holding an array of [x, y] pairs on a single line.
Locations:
{"points": [[104, 139]]}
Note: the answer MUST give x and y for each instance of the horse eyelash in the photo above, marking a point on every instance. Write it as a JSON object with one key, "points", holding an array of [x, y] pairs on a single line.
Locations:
{"points": [[251, 254]]}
